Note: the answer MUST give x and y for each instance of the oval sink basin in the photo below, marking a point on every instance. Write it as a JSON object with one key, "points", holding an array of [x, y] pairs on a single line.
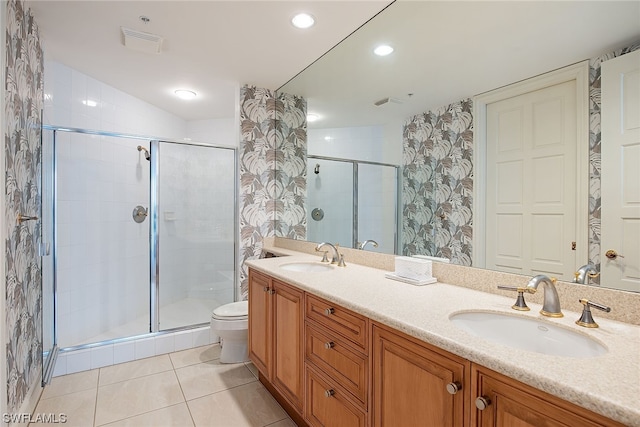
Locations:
{"points": [[527, 334], [313, 267]]}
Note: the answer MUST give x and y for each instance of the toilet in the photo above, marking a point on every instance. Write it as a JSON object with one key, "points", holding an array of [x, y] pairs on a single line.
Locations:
{"points": [[231, 322]]}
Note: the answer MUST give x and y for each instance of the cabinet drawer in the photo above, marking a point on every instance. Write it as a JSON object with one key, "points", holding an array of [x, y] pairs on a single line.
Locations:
{"points": [[347, 367], [338, 320], [326, 405]]}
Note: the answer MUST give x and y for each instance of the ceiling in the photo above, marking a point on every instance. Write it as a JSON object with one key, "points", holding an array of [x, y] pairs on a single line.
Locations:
{"points": [[446, 51], [211, 47]]}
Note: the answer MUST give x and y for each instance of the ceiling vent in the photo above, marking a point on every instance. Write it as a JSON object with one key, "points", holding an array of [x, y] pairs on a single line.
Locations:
{"points": [[384, 101], [140, 41]]}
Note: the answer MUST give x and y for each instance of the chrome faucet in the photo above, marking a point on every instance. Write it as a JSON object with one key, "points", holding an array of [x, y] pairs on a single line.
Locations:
{"points": [[366, 242], [335, 257], [584, 273], [551, 305]]}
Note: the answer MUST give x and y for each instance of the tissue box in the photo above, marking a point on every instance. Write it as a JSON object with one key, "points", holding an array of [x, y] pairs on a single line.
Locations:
{"points": [[413, 268]]}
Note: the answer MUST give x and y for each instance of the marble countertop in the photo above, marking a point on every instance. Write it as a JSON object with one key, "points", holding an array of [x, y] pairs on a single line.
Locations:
{"points": [[607, 384]]}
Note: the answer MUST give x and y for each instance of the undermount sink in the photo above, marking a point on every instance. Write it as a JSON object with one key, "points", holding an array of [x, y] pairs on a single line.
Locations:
{"points": [[311, 267], [527, 334]]}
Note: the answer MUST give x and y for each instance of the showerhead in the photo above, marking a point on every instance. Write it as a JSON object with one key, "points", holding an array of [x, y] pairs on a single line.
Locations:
{"points": [[146, 152], [316, 170]]}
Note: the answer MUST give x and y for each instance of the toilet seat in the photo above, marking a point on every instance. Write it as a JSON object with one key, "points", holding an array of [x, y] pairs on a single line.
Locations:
{"points": [[232, 311]]}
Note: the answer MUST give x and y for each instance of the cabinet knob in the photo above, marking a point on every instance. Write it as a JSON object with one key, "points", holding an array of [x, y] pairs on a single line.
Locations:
{"points": [[483, 402], [329, 393], [265, 289], [272, 291], [329, 311], [329, 345], [454, 387]]}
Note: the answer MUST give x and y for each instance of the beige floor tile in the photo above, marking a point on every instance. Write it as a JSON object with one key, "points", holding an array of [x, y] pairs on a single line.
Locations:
{"points": [[134, 369], [134, 397], [172, 416], [287, 422], [78, 408], [247, 405], [211, 377], [71, 383], [252, 368], [196, 355]]}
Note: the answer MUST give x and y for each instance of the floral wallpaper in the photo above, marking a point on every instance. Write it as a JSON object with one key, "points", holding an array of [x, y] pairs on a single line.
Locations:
{"points": [[595, 152], [437, 198], [273, 131], [23, 103]]}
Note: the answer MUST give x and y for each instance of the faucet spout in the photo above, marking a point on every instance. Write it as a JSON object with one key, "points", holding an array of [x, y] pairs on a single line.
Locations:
{"points": [[335, 256], [584, 273], [366, 242], [551, 305]]}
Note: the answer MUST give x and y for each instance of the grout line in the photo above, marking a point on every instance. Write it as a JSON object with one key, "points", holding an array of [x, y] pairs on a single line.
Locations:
{"points": [[137, 415], [184, 397], [95, 406]]}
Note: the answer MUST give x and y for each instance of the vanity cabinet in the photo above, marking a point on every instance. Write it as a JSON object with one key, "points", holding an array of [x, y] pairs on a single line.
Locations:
{"points": [[337, 365], [503, 401], [416, 384], [276, 335]]}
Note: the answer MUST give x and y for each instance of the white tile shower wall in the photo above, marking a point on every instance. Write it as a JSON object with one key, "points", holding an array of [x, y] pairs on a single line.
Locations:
{"points": [[355, 143], [76, 100], [377, 206], [111, 354], [102, 254], [222, 132]]}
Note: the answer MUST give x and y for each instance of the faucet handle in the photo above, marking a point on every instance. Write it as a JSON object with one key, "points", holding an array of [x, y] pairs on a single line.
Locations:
{"points": [[520, 303], [341, 262], [324, 256], [586, 319]]}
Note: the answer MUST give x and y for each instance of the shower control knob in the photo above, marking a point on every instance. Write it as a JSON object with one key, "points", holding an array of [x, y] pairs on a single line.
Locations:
{"points": [[329, 311]]}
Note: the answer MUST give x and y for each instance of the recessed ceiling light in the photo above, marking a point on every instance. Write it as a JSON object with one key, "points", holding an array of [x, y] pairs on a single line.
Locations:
{"points": [[383, 50], [185, 94], [303, 20], [312, 117]]}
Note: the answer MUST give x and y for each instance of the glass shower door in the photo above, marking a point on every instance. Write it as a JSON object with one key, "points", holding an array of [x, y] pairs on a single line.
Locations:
{"points": [[196, 232]]}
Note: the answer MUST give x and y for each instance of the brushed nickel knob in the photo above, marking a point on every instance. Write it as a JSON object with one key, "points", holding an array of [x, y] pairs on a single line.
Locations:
{"points": [[454, 387], [329, 393], [483, 402], [329, 311], [272, 291], [265, 289], [329, 345]]}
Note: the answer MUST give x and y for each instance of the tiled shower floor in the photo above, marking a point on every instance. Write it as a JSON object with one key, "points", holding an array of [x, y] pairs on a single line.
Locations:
{"points": [[185, 388]]}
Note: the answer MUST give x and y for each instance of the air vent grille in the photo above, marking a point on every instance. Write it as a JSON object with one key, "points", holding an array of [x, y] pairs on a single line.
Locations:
{"points": [[141, 41]]}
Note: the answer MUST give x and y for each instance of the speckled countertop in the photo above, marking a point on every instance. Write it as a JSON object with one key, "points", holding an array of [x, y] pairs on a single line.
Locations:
{"points": [[607, 384]]}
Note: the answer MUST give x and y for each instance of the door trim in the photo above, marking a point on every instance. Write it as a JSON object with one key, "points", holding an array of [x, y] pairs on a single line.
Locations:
{"points": [[578, 72]]}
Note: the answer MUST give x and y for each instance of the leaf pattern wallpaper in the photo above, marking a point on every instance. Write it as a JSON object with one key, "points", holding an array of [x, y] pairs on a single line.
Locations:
{"points": [[595, 198], [272, 198], [23, 103], [437, 189]]}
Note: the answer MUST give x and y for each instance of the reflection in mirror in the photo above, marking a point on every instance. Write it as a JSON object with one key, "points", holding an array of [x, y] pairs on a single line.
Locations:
{"points": [[418, 102]]}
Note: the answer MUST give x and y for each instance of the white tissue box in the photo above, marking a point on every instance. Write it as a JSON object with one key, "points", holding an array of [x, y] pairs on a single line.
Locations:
{"points": [[413, 268]]}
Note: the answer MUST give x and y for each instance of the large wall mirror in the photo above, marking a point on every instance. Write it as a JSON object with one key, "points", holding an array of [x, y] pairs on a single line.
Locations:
{"points": [[390, 139]]}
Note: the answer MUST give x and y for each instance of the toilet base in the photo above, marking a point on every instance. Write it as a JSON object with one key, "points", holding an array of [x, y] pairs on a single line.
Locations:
{"points": [[233, 351]]}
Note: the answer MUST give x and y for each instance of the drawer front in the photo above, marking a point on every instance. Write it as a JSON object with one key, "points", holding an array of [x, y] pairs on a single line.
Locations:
{"points": [[338, 320], [327, 405], [346, 366]]}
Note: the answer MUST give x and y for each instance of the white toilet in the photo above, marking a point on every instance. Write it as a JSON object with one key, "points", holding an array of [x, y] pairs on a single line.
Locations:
{"points": [[231, 323]]}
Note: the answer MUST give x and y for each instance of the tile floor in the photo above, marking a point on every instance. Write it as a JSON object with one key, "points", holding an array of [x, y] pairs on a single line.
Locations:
{"points": [[185, 388]]}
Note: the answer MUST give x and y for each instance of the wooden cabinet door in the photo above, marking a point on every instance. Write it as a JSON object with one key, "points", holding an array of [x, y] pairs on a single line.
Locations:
{"points": [[288, 324], [260, 336], [513, 404], [410, 383]]}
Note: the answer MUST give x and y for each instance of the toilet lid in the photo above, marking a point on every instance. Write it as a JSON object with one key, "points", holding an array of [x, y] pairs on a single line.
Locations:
{"points": [[234, 310]]}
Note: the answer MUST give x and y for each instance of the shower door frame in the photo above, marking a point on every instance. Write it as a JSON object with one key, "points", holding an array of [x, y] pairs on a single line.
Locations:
{"points": [[355, 163], [154, 241]]}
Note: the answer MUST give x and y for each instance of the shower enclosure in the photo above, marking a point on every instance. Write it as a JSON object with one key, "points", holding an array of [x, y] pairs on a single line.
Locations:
{"points": [[350, 201], [141, 235]]}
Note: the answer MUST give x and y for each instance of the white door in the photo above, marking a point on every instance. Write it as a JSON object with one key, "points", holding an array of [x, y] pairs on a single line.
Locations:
{"points": [[531, 182], [620, 232]]}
